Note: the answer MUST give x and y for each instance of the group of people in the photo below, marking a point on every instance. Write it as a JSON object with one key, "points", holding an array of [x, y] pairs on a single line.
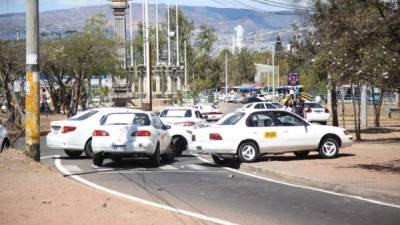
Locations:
{"points": [[295, 103]]}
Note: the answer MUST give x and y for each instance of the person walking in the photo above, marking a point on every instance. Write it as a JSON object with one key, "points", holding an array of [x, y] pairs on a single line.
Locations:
{"points": [[43, 101], [298, 105]]}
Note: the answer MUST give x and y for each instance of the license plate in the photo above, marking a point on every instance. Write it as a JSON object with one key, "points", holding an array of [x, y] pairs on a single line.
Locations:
{"points": [[270, 134], [119, 147]]}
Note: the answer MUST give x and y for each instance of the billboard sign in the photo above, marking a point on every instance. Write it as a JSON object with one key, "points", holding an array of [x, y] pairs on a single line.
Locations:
{"points": [[293, 78]]}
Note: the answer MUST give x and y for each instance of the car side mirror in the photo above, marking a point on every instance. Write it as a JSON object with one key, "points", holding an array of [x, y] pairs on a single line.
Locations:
{"points": [[166, 127]]}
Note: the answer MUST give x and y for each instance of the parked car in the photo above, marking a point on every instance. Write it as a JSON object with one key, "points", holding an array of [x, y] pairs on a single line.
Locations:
{"points": [[209, 112], [258, 106], [262, 97], [182, 120], [266, 132], [4, 138], [315, 112], [74, 135], [250, 100], [129, 135]]}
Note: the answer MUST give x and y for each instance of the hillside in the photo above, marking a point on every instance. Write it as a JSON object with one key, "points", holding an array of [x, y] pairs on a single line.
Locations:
{"points": [[260, 28]]}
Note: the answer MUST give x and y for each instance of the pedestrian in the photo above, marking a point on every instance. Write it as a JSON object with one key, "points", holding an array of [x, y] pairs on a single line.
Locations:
{"points": [[298, 106], [43, 101]]}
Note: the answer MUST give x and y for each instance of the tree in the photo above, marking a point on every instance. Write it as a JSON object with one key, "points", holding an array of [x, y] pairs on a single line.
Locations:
{"points": [[12, 66]]}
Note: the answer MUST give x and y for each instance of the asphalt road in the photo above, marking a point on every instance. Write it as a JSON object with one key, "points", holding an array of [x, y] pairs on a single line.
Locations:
{"points": [[200, 187]]}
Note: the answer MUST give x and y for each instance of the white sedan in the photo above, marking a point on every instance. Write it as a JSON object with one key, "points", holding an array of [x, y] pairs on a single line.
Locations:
{"points": [[4, 138], [182, 120], [315, 112], [131, 134], [74, 135], [209, 112], [249, 134]]}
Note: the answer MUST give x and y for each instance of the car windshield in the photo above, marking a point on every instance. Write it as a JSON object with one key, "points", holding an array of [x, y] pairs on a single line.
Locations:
{"points": [[313, 105], [138, 119], [231, 118], [83, 115], [176, 113]]}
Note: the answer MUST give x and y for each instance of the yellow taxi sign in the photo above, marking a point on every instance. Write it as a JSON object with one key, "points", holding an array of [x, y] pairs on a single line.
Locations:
{"points": [[270, 134]]}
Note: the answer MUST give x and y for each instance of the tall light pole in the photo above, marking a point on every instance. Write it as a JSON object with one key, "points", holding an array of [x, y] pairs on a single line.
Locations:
{"points": [[273, 75], [185, 67], [177, 32], [143, 31], [226, 76], [169, 39], [32, 80], [157, 45], [131, 30], [147, 44]]}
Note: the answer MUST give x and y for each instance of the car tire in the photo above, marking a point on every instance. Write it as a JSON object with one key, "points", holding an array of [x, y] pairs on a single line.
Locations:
{"points": [[5, 145], [88, 149], [248, 152], [301, 154], [329, 148], [155, 159], [72, 153], [98, 159], [116, 158], [220, 160], [324, 122], [178, 145]]}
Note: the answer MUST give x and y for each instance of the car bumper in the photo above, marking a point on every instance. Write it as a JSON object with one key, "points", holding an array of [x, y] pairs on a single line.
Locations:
{"points": [[59, 142], [138, 146], [212, 147], [347, 141], [317, 117]]}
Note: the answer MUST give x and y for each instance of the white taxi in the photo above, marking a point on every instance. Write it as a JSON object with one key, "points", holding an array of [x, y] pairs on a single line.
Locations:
{"points": [[131, 134], [182, 120], [249, 134], [74, 135]]}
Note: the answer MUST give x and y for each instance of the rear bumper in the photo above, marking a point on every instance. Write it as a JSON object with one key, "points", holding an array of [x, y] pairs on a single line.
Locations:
{"points": [[139, 146], [59, 142], [320, 117], [212, 147]]}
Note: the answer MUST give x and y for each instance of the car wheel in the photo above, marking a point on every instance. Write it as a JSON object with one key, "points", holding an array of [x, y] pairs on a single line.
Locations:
{"points": [[219, 160], [72, 153], [88, 149], [178, 145], [155, 159], [324, 122], [5, 145], [329, 148], [301, 154], [248, 152], [98, 159], [116, 158]]}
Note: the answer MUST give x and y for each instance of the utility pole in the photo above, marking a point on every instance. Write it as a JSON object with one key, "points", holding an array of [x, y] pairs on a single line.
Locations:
{"points": [[169, 39], [157, 44], [32, 80], [185, 68], [273, 75], [143, 34], [147, 44], [131, 32], [177, 33], [226, 76]]}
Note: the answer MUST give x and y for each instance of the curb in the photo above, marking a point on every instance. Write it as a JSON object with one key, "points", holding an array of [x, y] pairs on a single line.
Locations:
{"points": [[339, 188]]}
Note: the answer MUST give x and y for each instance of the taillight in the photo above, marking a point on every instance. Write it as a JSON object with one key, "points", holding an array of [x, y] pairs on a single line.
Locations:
{"points": [[67, 129], [100, 133], [326, 110], [188, 123], [193, 137], [141, 133], [215, 136], [308, 110]]}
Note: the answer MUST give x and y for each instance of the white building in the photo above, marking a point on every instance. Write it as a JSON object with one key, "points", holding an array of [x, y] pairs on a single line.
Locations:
{"points": [[238, 39]]}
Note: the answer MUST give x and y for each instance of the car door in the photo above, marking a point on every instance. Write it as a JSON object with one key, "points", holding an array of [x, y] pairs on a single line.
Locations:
{"points": [[162, 134], [294, 133], [261, 127]]}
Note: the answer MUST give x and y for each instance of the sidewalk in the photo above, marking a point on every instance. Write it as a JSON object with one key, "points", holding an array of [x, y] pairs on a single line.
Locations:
{"points": [[369, 169]]}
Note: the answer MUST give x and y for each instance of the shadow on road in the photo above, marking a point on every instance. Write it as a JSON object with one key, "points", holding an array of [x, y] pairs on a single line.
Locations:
{"points": [[295, 158], [390, 167]]}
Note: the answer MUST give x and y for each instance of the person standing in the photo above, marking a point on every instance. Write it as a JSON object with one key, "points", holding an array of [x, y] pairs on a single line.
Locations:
{"points": [[43, 101], [298, 105]]}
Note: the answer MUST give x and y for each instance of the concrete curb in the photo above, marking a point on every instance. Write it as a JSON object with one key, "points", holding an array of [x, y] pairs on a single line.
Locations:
{"points": [[307, 181]]}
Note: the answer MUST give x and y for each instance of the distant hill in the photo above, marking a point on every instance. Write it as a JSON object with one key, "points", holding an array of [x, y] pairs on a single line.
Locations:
{"points": [[260, 28]]}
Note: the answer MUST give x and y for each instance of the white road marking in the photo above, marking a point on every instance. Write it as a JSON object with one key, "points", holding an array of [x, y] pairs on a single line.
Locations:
{"points": [[73, 168], [197, 167], [161, 171], [49, 156], [303, 187], [140, 200], [168, 167]]}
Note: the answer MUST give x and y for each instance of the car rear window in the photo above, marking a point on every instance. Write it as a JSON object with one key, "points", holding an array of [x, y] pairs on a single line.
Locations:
{"points": [[83, 115], [176, 113], [313, 105], [231, 118], [138, 119]]}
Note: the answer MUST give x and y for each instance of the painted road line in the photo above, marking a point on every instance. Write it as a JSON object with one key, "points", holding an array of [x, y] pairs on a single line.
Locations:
{"points": [[197, 167], [64, 171], [49, 156], [161, 171], [304, 187], [73, 168], [168, 167]]}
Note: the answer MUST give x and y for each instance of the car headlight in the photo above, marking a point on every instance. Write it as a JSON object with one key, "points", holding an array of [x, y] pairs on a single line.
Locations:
{"points": [[346, 132]]}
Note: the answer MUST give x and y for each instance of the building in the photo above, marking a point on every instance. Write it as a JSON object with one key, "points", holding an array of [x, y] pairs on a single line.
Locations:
{"points": [[238, 39]]}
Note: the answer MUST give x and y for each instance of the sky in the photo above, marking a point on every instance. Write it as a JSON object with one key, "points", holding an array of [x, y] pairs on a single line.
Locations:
{"points": [[14, 6]]}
